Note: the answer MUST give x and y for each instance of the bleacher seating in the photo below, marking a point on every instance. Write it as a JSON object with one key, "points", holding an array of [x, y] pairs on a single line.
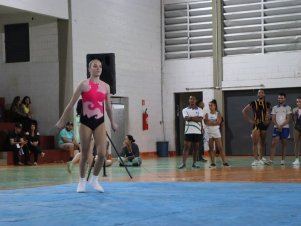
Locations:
{"points": [[53, 155]]}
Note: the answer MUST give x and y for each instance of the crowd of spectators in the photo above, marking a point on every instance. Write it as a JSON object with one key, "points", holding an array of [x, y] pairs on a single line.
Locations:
{"points": [[25, 138]]}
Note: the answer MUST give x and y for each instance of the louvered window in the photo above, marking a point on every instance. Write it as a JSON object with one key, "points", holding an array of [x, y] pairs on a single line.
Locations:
{"points": [[282, 25], [242, 26], [188, 30], [260, 26]]}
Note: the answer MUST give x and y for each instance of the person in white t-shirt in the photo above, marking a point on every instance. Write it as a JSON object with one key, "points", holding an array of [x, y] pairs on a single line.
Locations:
{"points": [[213, 120], [193, 116], [281, 115]]}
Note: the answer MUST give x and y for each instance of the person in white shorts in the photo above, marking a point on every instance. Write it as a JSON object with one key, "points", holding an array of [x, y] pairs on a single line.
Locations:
{"points": [[213, 120]]}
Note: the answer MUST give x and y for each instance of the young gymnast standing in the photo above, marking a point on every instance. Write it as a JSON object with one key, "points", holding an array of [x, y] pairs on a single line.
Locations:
{"points": [[95, 95]]}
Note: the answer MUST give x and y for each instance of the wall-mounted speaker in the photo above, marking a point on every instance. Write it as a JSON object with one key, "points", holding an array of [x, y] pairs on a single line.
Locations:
{"points": [[17, 43], [108, 74]]}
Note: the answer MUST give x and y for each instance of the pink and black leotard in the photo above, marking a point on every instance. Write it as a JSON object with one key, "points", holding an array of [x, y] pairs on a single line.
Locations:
{"points": [[93, 105]]}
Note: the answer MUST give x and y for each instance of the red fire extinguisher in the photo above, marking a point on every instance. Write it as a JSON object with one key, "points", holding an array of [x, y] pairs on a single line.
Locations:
{"points": [[145, 120]]}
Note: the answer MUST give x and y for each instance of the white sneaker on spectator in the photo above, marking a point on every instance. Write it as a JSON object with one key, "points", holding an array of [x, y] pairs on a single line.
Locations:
{"points": [[265, 161], [81, 187], [260, 162], [296, 162], [254, 163], [282, 162]]}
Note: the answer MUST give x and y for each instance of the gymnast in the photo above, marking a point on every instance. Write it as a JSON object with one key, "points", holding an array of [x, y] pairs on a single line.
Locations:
{"points": [[95, 95]]}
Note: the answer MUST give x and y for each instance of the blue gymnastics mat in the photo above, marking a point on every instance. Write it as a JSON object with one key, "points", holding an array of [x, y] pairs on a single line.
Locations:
{"points": [[155, 203]]}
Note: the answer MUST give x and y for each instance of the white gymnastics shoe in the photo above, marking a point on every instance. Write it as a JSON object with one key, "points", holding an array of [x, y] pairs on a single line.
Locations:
{"points": [[94, 183], [81, 187]]}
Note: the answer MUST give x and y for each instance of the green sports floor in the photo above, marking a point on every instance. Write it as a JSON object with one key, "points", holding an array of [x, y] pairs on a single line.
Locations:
{"points": [[153, 170], [159, 194]]}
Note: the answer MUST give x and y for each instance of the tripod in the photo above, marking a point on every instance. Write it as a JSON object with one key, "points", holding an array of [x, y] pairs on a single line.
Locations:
{"points": [[93, 162]]}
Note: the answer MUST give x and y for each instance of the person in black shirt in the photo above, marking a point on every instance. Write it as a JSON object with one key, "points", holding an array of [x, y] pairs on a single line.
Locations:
{"points": [[260, 122], [19, 145], [33, 139], [15, 110]]}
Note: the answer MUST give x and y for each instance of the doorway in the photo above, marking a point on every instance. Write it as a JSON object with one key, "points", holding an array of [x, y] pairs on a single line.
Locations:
{"points": [[181, 102]]}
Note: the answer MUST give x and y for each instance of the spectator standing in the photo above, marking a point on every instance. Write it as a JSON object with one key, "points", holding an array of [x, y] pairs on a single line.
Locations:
{"points": [[213, 121], [281, 115], [260, 123], [193, 116]]}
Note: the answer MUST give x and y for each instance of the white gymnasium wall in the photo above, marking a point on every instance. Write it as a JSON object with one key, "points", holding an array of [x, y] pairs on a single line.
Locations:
{"points": [[273, 70], [132, 30], [54, 8], [37, 78], [178, 75]]}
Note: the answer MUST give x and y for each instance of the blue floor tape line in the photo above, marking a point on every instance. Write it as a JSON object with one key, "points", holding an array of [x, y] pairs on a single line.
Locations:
{"points": [[155, 203]]}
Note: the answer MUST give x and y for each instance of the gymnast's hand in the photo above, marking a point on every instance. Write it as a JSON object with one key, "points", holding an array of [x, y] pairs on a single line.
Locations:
{"points": [[59, 124], [114, 126]]}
